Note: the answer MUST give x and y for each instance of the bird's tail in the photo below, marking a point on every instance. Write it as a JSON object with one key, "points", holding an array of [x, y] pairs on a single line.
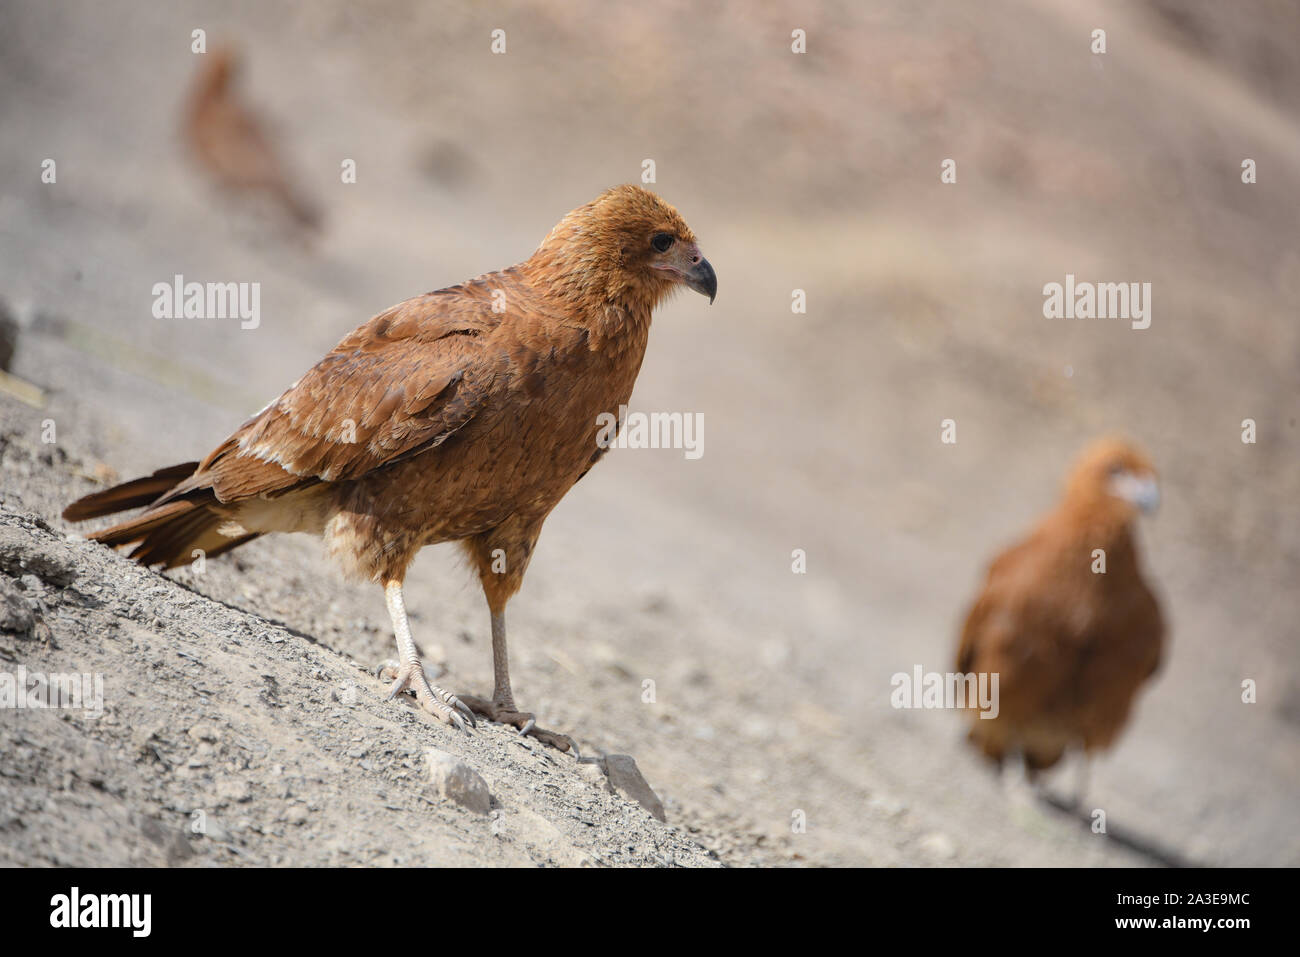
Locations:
{"points": [[170, 533]]}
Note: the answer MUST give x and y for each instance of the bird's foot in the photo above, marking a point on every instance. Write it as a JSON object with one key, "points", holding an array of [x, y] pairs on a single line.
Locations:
{"points": [[505, 713], [443, 705]]}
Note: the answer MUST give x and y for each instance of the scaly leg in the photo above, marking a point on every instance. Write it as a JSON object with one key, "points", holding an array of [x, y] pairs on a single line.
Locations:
{"points": [[443, 705], [502, 706]]}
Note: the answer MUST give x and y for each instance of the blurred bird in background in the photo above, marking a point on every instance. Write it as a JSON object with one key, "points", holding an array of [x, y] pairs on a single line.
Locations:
{"points": [[1067, 620], [230, 142], [462, 415]]}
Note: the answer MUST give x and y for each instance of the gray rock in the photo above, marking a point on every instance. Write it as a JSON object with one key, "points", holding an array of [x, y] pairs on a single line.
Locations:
{"points": [[8, 337], [17, 611], [452, 778], [594, 773], [213, 829], [173, 843], [204, 731], [22, 553], [627, 779]]}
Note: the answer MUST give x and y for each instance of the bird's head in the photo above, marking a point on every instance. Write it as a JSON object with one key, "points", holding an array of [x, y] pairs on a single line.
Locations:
{"points": [[627, 245], [1114, 474], [217, 69], [222, 65]]}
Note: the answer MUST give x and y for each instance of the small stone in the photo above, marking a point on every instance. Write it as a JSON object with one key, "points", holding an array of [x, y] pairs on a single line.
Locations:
{"points": [[8, 336], [627, 779], [213, 829], [939, 846], [203, 731], [594, 774], [17, 612], [452, 778], [173, 843], [177, 848], [235, 789]]}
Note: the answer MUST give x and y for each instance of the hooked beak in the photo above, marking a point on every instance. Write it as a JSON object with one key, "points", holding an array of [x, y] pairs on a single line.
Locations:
{"points": [[702, 279]]}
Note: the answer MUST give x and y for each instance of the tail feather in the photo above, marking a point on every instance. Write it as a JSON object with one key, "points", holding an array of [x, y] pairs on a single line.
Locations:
{"points": [[129, 495], [171, 534], [171, 541]]}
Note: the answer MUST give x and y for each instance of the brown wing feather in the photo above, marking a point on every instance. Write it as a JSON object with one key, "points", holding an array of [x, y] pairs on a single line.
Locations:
{"points": [[399, 385], [1025, 628]]}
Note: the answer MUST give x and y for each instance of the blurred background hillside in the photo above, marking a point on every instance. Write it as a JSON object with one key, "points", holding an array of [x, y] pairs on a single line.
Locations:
{"points": [[818, 172]]}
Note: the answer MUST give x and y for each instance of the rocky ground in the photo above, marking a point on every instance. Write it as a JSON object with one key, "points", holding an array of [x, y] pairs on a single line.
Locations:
{"points": [[229, 737]]}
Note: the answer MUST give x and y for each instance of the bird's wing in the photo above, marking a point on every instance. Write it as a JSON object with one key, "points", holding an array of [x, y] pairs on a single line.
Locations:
{"points": [[1052, 638], [1025, 628], [1151, 624], [399, 385], [993, 619], [1131, 634]]}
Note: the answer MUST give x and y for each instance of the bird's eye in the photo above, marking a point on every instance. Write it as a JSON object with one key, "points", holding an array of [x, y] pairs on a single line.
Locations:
{"points": [[661, 242], [1116, 468]]}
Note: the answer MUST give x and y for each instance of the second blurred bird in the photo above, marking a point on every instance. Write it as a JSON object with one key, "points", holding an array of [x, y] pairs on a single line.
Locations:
{"points": [[230, 142]]}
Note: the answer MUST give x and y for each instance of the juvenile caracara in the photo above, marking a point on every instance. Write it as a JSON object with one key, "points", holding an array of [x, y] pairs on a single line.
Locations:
{"points": [[461, 415], [230, 143], [1071, 643]]}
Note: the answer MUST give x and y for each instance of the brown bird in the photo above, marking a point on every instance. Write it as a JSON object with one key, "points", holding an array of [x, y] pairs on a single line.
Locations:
{"points": [[231, 144], [1070, 638], [461, 415]]}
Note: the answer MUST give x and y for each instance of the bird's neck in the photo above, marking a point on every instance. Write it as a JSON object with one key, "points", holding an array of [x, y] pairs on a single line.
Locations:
{"points": [[1100, 523], [603, 298]]}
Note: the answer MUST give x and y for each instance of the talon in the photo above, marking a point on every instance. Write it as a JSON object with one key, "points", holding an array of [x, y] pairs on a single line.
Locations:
{"points": [[443, 705], [465, 710], [396, 689], [501, 713], [456, 703]]}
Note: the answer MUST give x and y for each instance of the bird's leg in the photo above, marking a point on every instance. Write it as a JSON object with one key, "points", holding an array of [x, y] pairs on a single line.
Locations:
{"points": [[502, 706], [501, 694], [443, 705], [501, 557]]}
